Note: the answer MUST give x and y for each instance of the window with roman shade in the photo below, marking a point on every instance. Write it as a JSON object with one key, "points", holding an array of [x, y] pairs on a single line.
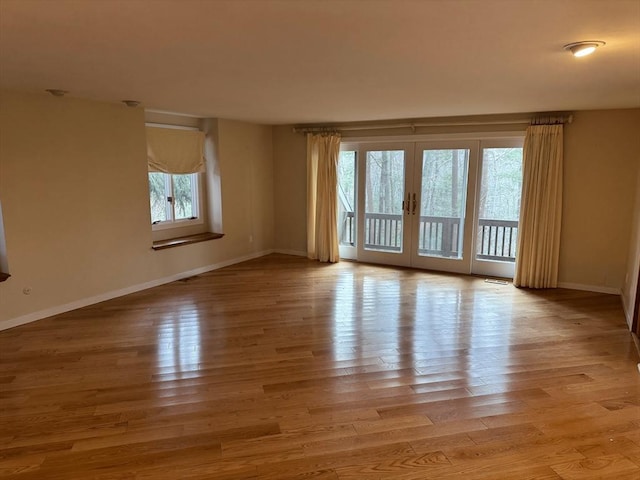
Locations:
{"points": [[176, 151], [176, 160]]}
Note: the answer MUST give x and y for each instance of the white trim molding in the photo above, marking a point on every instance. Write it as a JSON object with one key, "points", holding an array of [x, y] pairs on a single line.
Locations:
{"points": [[590, 288], [627, 307]]}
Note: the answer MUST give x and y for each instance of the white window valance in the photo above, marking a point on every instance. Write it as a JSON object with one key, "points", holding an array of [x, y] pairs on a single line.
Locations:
{"points": [[172, 150]]}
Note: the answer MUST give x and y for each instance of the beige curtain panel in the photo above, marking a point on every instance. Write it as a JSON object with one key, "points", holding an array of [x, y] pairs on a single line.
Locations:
{"points": [[172, 150], [322, 197], [541, 208]]}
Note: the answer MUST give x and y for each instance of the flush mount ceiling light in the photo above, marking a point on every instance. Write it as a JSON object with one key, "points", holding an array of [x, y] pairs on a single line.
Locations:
{"points": [[131, 103], [581, 49]]}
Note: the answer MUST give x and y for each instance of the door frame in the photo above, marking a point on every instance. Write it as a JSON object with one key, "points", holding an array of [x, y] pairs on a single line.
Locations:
{"points": [[392, 142]]}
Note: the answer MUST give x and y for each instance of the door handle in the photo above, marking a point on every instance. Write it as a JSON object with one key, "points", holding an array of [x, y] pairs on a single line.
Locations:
{"points": [[407, 204], [415, 203]]}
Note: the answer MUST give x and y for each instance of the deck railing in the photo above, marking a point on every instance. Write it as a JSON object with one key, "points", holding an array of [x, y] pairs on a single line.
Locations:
{"points": [[439, 236], [497, 240], [347, 230], [383, 231]]}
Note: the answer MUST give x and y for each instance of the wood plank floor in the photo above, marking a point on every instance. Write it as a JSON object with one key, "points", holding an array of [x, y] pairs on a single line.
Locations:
{"points": [[283, 368]]}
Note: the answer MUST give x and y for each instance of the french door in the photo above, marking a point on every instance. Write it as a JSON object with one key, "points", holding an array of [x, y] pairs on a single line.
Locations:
{"points": [[383, 224], [449, 206]]}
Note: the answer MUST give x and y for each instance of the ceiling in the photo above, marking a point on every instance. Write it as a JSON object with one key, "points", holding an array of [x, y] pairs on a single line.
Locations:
{"points": [[312, 61]]}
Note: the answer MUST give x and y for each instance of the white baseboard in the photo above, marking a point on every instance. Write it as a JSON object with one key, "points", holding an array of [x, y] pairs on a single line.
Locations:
{"points": [[590, 288], [67, 307], [628, 312]]}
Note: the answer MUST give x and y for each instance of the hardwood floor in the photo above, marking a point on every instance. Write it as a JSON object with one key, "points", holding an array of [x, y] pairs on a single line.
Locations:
{"points": [[283, 368]]}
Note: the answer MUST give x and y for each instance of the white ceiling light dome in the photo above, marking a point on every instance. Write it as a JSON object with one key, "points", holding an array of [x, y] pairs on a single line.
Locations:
{"points": [[584, 48]]}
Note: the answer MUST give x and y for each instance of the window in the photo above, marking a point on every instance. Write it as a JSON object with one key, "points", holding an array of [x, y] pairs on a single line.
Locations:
{"points": [[347, 199], [176, 167], [174, 198], [499, 204]]}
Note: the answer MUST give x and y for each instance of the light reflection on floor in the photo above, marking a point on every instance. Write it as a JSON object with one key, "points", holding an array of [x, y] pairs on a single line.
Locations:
{"points": [[179, 343], [453, 324], [344, 316], [359, 335], [367, 323]]}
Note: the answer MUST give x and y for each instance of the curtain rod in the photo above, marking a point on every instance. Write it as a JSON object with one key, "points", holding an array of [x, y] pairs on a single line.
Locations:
{"points": [[168, 125], [535, 119]]}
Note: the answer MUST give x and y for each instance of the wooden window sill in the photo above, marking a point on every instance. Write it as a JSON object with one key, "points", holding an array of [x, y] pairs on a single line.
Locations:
{"points": [[186, 240], [4, 276]]}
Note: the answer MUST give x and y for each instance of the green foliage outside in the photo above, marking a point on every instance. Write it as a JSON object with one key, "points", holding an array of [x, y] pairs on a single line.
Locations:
{"points": [[444, 182], [178, 187], [157, 197], [183, 199], [501, 184], [384, 182]]}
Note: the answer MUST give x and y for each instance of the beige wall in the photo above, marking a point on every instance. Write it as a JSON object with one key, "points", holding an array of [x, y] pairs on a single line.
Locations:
{"points": [[601, 165], [602, 157], [290, 174], [246, 156], [73, 187]]}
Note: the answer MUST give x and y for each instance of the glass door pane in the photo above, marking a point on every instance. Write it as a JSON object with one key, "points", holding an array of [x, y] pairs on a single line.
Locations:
{"points": [[384, 191], [498, 209], [346, 197], [443, 194]]}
